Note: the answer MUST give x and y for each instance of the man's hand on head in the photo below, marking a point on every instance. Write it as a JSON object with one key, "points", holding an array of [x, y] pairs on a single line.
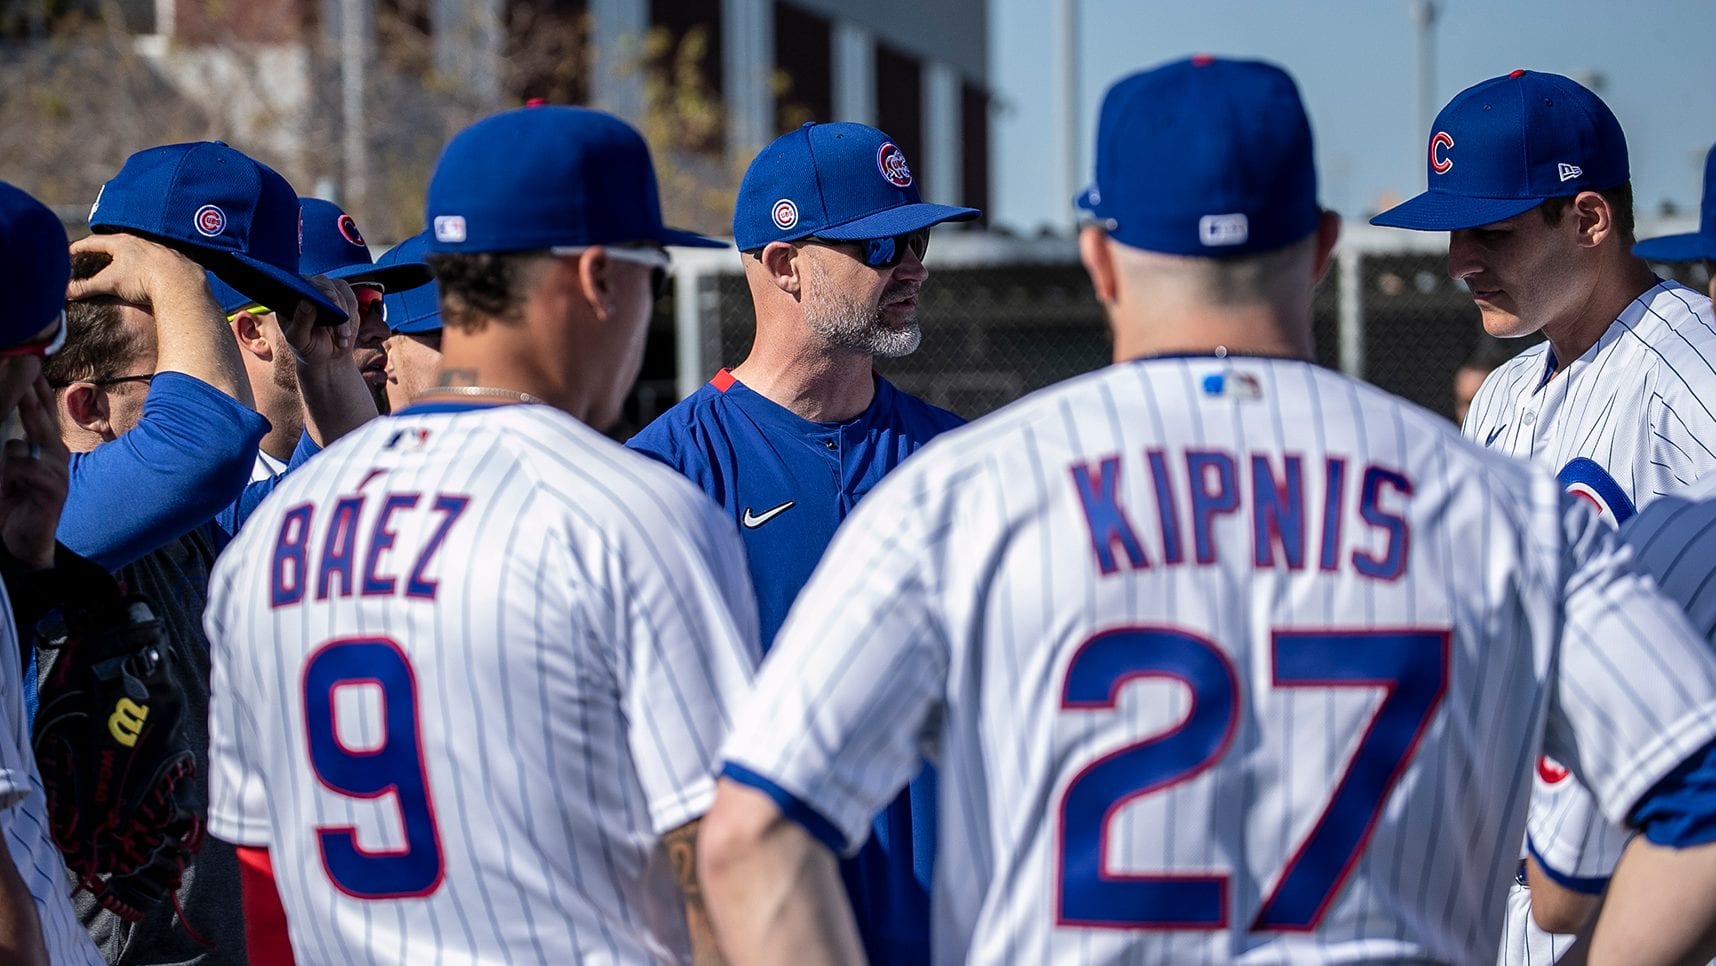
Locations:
{"points": [[139, 270], [320, 346]]}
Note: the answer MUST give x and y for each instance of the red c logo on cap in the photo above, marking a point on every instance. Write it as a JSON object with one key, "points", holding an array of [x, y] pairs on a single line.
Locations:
{"points": [[210, 221], [1439, 164], [892, 161], [349, 229]]}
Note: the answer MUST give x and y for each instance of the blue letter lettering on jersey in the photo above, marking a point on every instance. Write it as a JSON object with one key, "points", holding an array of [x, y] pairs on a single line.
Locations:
{"points": [[339, 548], [1392, 562], [1208, 501], [1104, 517], [289, 556], [419, 585], [1332, 509], [1277, 514], [380, 539], [1167, 508]]}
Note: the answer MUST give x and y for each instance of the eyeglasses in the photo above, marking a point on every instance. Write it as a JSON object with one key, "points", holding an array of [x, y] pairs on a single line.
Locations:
{"points": [[43, 348], [371, 300], [658, 260], [112, 380], [883, 252]]}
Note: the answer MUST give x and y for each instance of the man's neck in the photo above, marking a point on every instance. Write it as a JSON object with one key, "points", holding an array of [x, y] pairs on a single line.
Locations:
{"points": [[821, 386], [1571, 338], [1248, 332]]}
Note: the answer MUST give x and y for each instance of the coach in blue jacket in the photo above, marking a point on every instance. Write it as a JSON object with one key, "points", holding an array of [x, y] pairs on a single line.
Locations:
{"points": [[833, 234]]}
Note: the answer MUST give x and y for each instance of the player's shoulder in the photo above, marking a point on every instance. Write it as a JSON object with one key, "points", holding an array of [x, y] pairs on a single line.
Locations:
{"points": [[685, 429], [1679, 327]]}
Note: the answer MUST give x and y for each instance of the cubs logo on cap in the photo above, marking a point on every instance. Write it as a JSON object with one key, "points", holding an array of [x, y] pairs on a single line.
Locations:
{"points": [[1440, 162], [892, 161], [821, 180], [349, 229], [209, 219]]}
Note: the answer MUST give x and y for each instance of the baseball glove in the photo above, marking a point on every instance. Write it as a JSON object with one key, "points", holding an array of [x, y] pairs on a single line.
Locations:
{"points": [[118, 771]]}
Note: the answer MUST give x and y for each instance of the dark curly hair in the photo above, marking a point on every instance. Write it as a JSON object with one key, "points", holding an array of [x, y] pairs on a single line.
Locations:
{"points": [[477, 288], [96, 341]]}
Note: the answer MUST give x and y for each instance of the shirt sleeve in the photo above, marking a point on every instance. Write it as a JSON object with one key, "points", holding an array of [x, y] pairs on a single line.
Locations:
{"points": [[1634, 691], [1681, 437], [691, 627], [1567, 833], [845, 707], [238, 802], [189, 456], [15, 754]]}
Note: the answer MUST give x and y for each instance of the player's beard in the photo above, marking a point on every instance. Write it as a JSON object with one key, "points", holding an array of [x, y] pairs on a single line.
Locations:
{"points": [[284, 371], [847, 322]]}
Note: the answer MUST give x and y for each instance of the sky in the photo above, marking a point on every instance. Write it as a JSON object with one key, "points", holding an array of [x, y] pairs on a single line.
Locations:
{"points": [[1356, 65]]}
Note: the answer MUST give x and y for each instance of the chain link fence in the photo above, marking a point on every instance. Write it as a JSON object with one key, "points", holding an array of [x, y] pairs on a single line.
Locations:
{"points": [[1004, 316]]}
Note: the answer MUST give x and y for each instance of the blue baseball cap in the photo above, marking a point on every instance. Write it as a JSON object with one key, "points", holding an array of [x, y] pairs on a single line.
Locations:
{"points": [[842, 181], [34, 266], [547, 177], [1694, 246], [1204, 156], [415, 310], [334, 247], [1507, 145], [234, 215]]}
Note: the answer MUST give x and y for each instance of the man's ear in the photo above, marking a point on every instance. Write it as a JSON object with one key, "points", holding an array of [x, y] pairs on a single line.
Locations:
{"points": [[247, 330], [1593, 217], [782, 263], [590, 275], [86, 408], [1098, 258], [1328, 232]]}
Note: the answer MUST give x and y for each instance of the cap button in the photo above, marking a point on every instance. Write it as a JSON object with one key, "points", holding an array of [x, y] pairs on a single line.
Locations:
{"points": [[536, 102], [1516, 73], [1202, 60]]}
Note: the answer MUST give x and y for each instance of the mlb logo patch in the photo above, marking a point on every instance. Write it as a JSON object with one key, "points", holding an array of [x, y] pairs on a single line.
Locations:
{"points": [[1236, 385], [785, 214], [1216, 231], [450, 228], [1568, 171], [892, 161], [209, 220], [97, 205]]}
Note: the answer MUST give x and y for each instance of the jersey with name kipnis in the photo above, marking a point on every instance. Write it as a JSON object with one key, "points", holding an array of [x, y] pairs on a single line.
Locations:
{"points": [[1220, 660], [469, 666]]}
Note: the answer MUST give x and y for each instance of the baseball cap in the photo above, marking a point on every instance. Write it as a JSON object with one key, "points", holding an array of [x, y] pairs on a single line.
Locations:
{"points": [[1694, 246], [34, 266], [1507, 145], [841, 180], [234, 215], [1204, 156], [334, 247], [415, 310], [548, 176]]}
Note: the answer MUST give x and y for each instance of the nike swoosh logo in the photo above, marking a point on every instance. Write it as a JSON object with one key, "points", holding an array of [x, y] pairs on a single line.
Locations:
{"points": [[1494, 433], [755, 520]]}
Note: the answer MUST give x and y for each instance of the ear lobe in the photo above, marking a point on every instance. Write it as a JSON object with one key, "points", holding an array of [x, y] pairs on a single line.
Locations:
{"points": [[86, 406], [1328, 233]]}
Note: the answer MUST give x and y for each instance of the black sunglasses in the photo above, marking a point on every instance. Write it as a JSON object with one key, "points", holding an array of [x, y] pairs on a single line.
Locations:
{"points": [[884, 252]]}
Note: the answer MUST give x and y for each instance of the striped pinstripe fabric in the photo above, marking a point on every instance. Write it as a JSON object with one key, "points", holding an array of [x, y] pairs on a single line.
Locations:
{"points": [[469, 665], [1065, 604]]}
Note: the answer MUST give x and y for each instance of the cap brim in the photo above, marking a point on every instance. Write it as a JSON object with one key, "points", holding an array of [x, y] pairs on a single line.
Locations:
{"points": [[228, 298], [1441, 211], [274, 287], [401, 277], [1692, 247], [897, 221], [688, 239], [418, 326]]}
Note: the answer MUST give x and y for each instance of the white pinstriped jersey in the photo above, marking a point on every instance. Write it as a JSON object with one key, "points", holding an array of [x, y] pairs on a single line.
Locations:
{"points": [[24, 814], [468, 667], [1221, 661], [1632, 419]]}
